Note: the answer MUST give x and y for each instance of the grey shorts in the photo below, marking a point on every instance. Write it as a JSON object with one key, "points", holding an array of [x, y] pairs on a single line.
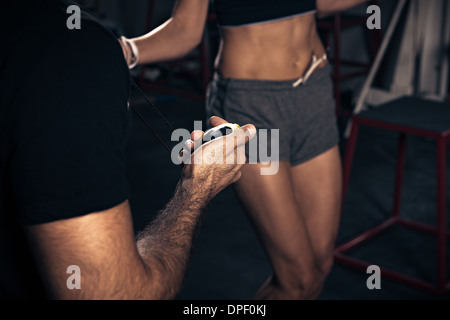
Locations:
{"points": [[305, 115]]}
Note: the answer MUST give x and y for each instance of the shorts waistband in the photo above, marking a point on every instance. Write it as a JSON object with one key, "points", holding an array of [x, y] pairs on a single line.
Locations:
{"points": [[247, 84]]}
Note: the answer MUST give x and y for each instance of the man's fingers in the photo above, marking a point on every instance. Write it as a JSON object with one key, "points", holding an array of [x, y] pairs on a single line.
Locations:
{"points": [[196, 139], [249, 131], [228, 143], [240, 137], [216, 121], [197, 134]]}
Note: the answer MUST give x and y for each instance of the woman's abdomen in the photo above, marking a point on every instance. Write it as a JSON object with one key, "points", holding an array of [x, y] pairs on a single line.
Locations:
{"points": [[280, 50]]}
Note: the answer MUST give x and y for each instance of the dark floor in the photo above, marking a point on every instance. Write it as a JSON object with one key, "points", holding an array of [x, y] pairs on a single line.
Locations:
{"points": [[228, 261]]}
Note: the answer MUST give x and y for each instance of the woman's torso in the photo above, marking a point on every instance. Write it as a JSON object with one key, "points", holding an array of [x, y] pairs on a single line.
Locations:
{"points": [[279, 49]]}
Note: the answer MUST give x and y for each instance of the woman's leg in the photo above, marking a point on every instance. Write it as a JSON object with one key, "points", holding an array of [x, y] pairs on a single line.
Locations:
{"points": [[297, 233], [318, 187]]}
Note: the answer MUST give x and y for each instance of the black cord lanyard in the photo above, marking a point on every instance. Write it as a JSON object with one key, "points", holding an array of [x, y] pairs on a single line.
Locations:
{"points": [[149, 127], [210, 134]]}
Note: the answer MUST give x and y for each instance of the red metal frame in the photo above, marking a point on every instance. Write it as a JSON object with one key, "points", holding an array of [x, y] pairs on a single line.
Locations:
{"points": [[440, 231], [335, 26]]}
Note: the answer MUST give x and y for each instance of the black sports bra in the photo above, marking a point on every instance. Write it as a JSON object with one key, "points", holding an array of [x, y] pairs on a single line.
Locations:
{"points": [[242, 12]]}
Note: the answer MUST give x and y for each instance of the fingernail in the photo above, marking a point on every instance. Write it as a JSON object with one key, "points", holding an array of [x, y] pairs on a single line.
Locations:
{"points": [[252, 131]]}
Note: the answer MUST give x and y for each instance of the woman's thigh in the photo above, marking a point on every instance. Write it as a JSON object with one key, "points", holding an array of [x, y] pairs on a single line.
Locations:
{"points": [[270, 202], [317, 185]]}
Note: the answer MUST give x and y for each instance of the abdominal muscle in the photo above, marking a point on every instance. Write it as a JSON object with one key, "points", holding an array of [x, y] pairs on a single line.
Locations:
{"points": [[279, 50]]}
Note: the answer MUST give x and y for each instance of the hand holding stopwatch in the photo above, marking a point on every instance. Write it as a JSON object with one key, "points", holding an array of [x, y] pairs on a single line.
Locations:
{"points": [[218, 131], [207, 137]]}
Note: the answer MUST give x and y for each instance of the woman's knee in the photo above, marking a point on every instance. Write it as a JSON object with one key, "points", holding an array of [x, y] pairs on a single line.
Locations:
{"points": [[325, 264], [309, 284]]}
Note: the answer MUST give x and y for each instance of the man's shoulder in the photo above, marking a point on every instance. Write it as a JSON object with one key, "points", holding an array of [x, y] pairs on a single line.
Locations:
{"points": [[39, 26]]}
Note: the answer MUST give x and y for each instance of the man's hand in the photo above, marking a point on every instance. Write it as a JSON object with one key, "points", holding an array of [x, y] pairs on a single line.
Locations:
{"points": [[216, 164], [102, 244]]}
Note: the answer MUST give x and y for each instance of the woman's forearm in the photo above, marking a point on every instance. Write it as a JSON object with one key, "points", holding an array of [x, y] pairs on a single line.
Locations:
{"points": [[177, 36], [167, 42]]}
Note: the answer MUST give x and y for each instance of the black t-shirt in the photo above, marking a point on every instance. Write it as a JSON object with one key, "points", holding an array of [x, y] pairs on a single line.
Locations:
{"points": [[64, 124]]}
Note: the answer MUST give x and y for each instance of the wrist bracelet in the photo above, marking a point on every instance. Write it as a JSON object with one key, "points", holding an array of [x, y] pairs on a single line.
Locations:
{"points": [[133, 56], [125, 48]]}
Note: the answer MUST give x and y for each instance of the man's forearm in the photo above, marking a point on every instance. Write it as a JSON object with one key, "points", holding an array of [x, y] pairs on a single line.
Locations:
{"points": [[329, 7], [165, 245]]}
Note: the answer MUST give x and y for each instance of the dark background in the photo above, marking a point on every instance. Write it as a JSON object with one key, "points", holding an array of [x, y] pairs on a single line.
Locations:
{"points": [[228, 262]]}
